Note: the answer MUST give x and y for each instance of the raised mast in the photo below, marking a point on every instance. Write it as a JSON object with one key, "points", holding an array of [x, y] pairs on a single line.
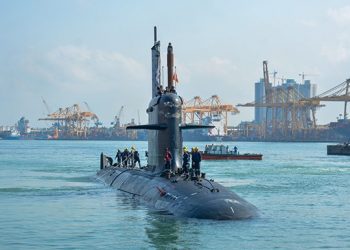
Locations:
{"points": [[156, 64], [170, 64]]}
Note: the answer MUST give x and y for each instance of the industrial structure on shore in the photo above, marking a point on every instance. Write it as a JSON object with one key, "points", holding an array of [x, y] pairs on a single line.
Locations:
{"points": [[285, 111], [209, 111], [75, 123]]}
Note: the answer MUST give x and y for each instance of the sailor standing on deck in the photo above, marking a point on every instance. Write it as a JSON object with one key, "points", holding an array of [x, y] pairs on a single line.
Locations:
{"points": [[186, 161], [196, 159], [118, 156], [131, 157], [136, 159], [235, 150], [125, 156], [192, 152], [192, 163], [167, 158]]}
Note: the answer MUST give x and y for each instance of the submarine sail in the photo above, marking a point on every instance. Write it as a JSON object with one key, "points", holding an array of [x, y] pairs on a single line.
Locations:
{"points": [[167, 188]]}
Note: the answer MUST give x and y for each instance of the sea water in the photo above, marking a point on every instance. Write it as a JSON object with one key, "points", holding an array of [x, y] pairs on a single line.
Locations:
{"points": [[50, 199]]}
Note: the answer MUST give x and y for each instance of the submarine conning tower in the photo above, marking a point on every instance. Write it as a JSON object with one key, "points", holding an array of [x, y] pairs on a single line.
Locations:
{"points": [[165, 109]]}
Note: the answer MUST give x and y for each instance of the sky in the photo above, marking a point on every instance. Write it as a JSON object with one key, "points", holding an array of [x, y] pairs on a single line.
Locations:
{"points": [[99, 52]]}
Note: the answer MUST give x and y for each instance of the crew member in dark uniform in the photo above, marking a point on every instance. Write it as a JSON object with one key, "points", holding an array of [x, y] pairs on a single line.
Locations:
{"points": [[136, 158], [131, 157], [192, 152], [186, 161], [235, 150], [125, 157], [167, 158], [196, 159], [118, 156]]}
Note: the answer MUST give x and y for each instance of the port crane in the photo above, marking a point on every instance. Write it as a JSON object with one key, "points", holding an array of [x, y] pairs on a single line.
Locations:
{"points": [[274, 73], [339, 93], [117, 118], [97, 121], [46, 105], [71, 121], [286, 109], [195, 110]]}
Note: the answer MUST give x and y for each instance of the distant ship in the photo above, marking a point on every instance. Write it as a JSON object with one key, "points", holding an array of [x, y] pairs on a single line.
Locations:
{"points": [[10, 135], [342, 127], [202, 135]]}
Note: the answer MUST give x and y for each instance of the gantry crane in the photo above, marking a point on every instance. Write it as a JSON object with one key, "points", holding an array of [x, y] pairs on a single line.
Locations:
{"points": [[286, 110], [117, 123], [71, 121], [195, 110], [97, 121], [46, 105], [339, 93]]}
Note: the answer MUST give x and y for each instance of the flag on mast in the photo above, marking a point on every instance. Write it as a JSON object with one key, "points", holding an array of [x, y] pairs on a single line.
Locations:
{"points": [[175, 78]]}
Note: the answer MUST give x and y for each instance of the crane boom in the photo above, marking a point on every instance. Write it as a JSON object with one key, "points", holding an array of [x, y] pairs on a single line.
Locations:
{"points": [[117, 117], [46, 106], [87, 106], [267, 83]]}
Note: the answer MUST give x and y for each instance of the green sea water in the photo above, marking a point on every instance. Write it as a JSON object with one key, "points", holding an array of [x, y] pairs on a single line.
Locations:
{"points": [[50, 199]]}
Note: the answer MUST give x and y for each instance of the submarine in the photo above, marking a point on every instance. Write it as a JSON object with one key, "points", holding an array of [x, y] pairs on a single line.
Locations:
{"points": [[161, 188]]}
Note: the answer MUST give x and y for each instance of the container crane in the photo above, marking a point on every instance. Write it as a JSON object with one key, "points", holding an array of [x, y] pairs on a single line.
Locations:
{"points": [[274, 73], [73, 121], [287, 111], [46, 106], [196, 109], [95, 118], [117, 118], [268, 97], [339, 93]]}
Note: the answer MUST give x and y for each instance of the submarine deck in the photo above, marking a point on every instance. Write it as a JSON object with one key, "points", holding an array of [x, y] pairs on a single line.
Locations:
{"points": [[179, 195]]}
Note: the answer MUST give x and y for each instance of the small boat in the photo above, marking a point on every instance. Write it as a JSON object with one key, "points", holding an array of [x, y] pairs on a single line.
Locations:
{"points": [[340, 149], [222, 152]]}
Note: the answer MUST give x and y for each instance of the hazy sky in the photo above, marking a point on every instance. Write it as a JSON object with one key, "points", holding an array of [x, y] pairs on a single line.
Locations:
{"points": [[99, 52]]}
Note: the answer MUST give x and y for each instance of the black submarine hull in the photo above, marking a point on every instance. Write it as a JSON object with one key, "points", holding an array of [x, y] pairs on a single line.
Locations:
{"points": [[202, 199]]}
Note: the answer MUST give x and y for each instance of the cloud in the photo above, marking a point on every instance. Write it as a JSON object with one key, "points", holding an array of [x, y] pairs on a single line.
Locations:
{"points": [[308, 23], [336, 54], [72, 74], [340, 51], [204, 72], [340, 15], [337, 47], [76, 67], [214, 66], [208, 76]]}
